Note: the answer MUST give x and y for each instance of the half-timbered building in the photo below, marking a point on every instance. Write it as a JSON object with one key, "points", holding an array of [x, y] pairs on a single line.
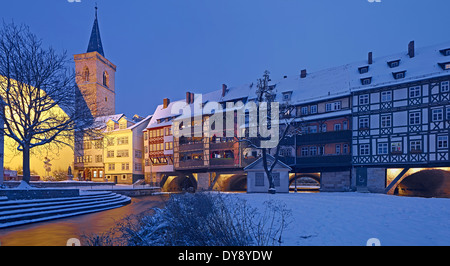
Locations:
{"points": [[401, 115]]}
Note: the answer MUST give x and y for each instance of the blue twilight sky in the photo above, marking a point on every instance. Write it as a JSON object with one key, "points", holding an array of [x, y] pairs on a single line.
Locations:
{"points": [[163, 48]]}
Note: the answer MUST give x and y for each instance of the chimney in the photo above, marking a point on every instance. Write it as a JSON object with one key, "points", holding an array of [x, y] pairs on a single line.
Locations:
{"points": [[411, 49], [188, 97], [369, 59], [224, 89], [303, 73], [166, 102], [192, 97]]}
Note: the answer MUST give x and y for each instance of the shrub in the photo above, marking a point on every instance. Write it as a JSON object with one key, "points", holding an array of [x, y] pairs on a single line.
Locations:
{"points": [[201, 219]]}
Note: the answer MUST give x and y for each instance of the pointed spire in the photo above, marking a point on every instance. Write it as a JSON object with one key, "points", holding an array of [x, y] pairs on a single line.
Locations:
{"points": [[95, 42]]}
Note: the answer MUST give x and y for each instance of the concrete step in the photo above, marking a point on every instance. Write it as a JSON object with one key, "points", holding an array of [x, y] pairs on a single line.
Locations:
{"points": [[35, 212], [30, 204], [50, 200]]}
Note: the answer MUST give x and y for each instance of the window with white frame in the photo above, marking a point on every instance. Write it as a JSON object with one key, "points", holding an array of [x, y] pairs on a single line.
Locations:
{"points": [[414, 118], [386, 96], [337, 106], [414, 92], [313, 109], [445, 86], [382, 148], [364, 149], [304, 151], [437, 115], [313, 150], [415, 145], [338, 149], [442, 142], [386, 121], [304, 110], [337, 127], [364, 122], [447, 113], [364, 99], [345, 125]]}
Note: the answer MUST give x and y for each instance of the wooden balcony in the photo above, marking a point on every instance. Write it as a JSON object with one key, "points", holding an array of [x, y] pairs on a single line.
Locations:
{"points": [[223, 162], [191, 146], [343, 160], [325, 137]]}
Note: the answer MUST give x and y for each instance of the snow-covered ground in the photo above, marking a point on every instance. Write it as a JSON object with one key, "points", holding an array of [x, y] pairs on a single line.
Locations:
{"points": [[353, 218]]}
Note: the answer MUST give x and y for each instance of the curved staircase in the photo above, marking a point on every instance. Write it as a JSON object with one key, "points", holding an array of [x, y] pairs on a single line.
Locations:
{"points": [[18, 212]]}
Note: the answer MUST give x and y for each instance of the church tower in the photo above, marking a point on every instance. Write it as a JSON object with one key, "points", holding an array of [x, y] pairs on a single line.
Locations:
{"points": [[95, 76]]}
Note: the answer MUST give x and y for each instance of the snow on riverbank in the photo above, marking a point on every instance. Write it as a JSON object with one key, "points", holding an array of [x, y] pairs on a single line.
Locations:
{"points": [[350, 218]]}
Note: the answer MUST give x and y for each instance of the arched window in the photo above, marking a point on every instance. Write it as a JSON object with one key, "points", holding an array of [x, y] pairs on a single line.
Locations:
{"points": [[86, 74], [105, 79]]}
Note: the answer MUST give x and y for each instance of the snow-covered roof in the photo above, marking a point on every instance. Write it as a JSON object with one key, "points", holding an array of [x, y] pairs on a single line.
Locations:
{"points": [[100, 122], [423, 65], [342, 80]]}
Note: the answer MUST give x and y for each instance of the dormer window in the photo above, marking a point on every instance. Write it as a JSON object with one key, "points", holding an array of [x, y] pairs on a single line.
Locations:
{"points": [[366, 81], [363, 69], [287, 96], [399, 75], [445, 52], [445, 66], [394, 63]]}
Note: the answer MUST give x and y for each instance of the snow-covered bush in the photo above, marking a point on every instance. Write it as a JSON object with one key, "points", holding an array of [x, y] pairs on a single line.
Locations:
{"points": [[201, 219]]}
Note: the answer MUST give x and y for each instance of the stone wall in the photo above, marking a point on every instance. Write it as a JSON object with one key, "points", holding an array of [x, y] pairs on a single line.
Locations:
{"points": [[335, 181], [376, 179]]}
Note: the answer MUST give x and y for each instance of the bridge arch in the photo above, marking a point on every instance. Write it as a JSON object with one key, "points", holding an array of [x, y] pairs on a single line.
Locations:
{"points": [[423, 182], [231, 182], [315, 176], [178, 183]]}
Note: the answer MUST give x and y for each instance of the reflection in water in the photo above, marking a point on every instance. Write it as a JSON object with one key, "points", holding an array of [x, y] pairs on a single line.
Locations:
{"points": [[57, 232]]}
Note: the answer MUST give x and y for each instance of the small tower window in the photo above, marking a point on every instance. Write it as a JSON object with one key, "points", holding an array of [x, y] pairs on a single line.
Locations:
{"points": [[86, 74], [105, 79]]}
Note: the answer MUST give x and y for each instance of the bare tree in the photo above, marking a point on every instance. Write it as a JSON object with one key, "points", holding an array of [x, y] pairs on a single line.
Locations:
{"points": [[35, 84], [287, 128]]}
